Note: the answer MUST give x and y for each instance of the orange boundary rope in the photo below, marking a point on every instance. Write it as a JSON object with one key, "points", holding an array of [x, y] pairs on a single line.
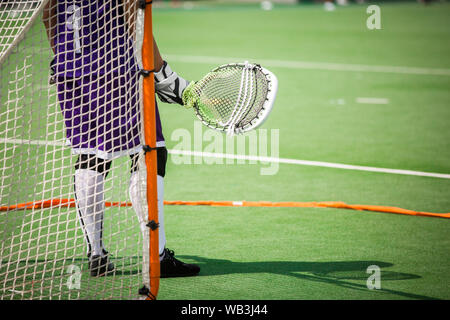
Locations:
{"points": [[323, 204]]}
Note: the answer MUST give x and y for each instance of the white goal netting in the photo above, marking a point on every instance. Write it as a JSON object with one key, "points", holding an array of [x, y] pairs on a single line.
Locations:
{"points": [[69, 133]]}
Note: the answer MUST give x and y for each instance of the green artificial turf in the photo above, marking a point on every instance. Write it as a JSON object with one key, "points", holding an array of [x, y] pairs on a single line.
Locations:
{"points": [[267, 253]]}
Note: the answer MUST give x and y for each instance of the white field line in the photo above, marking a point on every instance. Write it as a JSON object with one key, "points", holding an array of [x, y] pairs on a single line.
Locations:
{"points": [[33, 142], [372, 100], [310, 65], [262, 159], [310, 163]]}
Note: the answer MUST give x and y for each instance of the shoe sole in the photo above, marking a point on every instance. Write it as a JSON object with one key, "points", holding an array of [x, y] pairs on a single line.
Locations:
{"points": [[179, 275]]}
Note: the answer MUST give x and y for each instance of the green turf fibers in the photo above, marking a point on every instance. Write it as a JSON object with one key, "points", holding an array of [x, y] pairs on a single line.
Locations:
{"points": [[306, 253]]}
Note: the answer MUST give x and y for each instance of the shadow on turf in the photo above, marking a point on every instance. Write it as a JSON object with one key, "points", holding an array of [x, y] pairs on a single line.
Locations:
{"points": [[333, 272]]}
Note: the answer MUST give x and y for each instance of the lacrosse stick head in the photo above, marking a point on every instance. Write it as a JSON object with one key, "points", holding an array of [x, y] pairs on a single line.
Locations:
{"points": [[233, 98]]}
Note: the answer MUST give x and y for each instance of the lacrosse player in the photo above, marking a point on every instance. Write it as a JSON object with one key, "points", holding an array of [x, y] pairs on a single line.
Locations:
{"points": [[96, 77]]}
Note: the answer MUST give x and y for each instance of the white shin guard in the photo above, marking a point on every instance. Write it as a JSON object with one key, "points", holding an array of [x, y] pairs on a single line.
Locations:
{"points": [[90, 206], [137, 192]]}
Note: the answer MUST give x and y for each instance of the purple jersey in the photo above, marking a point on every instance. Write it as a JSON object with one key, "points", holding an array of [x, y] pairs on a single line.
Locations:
{"points": [[92, 37], [101, 116], [98, 79]]}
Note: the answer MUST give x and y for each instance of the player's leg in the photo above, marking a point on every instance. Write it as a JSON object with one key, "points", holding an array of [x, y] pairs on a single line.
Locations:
{"points": [[90, 173], [138, 197], [137, 193], [75, 97], [169, 265]]}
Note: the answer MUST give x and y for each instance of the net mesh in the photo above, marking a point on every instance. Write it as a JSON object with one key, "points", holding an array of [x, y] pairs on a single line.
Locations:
{"points": [[14, 16], [93, 108], [229, 95]]}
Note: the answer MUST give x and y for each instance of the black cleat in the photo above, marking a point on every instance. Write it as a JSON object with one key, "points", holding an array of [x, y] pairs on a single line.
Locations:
{"points": [[100, 266], [172, 267]]}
